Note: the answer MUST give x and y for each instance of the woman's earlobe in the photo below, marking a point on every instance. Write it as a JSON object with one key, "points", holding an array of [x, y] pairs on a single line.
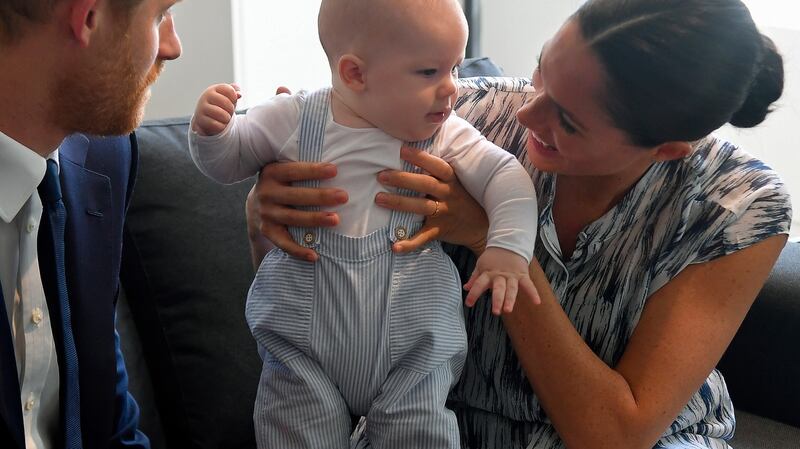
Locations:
{"points": [[351, 72], [671, 151]]}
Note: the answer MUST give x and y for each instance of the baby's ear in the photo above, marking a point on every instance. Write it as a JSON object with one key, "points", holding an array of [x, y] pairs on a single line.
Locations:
{"points": [[351, 72], [671, 151]]}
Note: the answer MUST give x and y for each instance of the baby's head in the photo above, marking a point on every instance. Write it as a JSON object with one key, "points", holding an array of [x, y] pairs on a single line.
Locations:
{"points": [[393, 61]]}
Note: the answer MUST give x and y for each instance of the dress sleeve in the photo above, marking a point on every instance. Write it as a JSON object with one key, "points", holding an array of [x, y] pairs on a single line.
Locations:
{"points": [[497, 181], [249, 142], [757, 202]]}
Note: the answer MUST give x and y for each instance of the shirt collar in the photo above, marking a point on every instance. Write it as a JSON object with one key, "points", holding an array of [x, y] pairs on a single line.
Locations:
{"points": [[21, 172]]}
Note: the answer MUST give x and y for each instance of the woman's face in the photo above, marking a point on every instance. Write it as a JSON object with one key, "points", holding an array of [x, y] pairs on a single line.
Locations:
{"points": [[569, 131]]}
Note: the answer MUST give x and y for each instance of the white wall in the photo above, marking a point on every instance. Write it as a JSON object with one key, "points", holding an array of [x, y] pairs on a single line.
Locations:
{"points": [[205, 30], [513, 31], [277, 44], [776, 141]]}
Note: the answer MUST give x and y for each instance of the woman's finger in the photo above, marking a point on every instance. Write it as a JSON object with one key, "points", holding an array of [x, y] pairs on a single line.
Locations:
{"points": [[416, 182], [287, 216], [425, 235], [281, 238], [288, 172], [301, 196], [437, 167], [414, 205]]}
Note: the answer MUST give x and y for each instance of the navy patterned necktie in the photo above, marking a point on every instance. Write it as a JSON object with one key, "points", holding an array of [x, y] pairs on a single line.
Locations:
{"points": [[54, 218]]}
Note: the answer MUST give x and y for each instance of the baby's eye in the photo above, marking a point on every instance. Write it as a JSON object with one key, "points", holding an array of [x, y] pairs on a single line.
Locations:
{"points": [[427, 72], [454, 70]]}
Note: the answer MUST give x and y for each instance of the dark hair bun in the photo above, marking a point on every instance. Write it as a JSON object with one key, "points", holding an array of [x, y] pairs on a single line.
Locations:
{"points": [[767, 87]]}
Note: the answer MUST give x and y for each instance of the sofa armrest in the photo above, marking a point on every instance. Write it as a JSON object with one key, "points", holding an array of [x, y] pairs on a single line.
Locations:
{"points": [[762, 364]]}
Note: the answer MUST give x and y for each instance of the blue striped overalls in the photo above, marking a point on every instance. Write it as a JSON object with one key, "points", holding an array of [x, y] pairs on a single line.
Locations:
{"points": [[362, 331]]}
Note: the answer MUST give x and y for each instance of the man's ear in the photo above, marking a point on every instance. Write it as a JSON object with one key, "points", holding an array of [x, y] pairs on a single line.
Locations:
{"points": [[352, 72], [671, 151], [83, 20]]}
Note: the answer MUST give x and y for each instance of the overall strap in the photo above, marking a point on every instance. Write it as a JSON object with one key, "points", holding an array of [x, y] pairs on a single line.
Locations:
{"points": [[401, 224], [313, 117]]}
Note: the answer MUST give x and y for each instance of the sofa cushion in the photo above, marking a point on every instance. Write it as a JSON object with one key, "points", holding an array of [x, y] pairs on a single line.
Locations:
{"points": [[762, 364], [186, 271]]}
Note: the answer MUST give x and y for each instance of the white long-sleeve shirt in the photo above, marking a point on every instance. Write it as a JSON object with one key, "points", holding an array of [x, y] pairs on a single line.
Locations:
{"points": [[21, 171], [269, 132]]}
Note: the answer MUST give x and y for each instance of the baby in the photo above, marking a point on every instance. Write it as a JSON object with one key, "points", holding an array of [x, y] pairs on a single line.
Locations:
{"points": [[365, 331]]}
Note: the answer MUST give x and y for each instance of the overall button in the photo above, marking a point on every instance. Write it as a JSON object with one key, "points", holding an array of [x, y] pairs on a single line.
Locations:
{"points": [[29, 404], [309, 238], [37, 316], [401, 233], [30, 227]]}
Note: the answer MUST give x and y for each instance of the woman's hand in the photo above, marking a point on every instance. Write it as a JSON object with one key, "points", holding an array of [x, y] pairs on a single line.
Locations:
{"points": [[452, 214], [269, 206]]}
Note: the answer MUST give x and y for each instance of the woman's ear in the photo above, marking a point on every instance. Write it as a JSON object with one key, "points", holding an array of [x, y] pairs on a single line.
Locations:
{"points": [[352, 72], [83, 20], [671, 151]]}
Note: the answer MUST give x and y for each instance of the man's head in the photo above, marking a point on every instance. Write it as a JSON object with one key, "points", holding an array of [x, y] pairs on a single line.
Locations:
{"points": [[16, 16], [393, 61], [81, 65]]}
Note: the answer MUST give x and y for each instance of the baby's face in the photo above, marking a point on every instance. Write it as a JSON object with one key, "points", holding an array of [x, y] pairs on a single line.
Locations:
{"points": [[411, 86]]}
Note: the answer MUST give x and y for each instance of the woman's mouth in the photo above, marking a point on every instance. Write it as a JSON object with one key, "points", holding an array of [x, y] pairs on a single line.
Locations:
{"points": [[540, 147]]}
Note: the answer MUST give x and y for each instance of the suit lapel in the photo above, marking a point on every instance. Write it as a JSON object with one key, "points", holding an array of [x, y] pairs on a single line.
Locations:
{"points": [[90, 276], [10, 410]]}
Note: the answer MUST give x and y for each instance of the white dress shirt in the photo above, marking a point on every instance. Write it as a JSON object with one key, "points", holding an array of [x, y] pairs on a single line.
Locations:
{"points": [[21, 171]]}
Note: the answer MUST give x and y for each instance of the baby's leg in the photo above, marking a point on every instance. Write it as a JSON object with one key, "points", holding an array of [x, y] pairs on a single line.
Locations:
{"points": [[298, 407], [410, 411]]}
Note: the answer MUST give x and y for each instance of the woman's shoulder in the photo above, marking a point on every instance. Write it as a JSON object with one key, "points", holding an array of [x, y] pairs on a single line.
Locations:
{"points": [[732, 178], [727, 199]]}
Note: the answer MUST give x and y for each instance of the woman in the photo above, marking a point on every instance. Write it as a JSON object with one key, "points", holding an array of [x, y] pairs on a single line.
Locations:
{"points": [[654, 239]]}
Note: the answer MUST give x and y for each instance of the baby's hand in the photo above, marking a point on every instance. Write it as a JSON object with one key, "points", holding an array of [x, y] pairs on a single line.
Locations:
{"points": [[215, 108], [505, 272]]}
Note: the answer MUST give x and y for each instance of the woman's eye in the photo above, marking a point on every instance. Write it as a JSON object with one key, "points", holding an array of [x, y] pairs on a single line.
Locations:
{"points": [[566, 125]]}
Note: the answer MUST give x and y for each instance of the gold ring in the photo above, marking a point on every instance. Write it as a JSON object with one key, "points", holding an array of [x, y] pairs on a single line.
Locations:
{"points": [[435, 211]]}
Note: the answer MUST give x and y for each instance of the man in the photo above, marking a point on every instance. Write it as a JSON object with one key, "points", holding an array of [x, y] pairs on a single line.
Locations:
{"points": [[69, 66]]}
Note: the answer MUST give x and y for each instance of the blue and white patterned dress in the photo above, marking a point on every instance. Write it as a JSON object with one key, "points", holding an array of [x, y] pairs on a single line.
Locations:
{"points": [[715, 202]]}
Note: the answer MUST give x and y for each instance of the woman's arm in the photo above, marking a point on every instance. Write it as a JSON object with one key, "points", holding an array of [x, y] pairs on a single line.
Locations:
{"points": [[683, 332]]}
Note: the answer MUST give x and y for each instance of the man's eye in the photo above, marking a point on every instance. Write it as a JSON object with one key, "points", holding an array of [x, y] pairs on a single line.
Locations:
{"points": [[427, 72]]}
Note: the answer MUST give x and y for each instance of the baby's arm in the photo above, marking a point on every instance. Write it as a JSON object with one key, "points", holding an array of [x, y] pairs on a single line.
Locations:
{"points": [[230, 148], [505, 190]]}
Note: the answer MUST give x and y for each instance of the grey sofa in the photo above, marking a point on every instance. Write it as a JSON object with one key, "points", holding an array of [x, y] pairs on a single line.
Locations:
{"points": [[194, 367]]}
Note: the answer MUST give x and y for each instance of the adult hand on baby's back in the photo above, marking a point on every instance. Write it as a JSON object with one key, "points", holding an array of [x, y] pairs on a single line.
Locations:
{"points": [[452, 215]]}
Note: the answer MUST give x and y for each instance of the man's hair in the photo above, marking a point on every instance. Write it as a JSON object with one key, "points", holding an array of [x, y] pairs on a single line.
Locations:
{"points": [[17, 15]]}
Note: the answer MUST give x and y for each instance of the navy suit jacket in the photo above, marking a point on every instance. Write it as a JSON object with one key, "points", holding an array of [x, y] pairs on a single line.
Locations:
{"points": [[97, 176]]}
